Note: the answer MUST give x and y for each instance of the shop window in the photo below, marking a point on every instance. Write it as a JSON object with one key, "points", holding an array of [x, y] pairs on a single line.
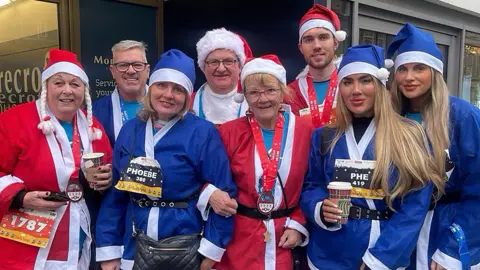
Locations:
{"points": [[471, 69], [28, 29], [343, 8]]}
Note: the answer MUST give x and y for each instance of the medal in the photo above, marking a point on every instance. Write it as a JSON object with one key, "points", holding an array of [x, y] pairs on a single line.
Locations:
{"points": [[74, 191], [265, 202], [327, 108]]}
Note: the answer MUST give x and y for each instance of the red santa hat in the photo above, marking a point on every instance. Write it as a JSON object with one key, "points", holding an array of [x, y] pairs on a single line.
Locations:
{"points": [[222, 39], [269, 64], [320, 16], [64, 61]]}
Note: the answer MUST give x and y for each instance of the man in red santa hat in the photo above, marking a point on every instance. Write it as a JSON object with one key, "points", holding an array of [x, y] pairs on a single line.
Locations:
{"points": [[221, 56], [315, 87]]}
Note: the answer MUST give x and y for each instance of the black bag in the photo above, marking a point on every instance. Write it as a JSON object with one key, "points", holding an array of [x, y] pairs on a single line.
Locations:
{"points": [[173, 253]]}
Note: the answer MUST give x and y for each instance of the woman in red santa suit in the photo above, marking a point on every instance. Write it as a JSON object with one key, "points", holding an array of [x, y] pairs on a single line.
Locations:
{"points": [[47, 207], [268, 152]]}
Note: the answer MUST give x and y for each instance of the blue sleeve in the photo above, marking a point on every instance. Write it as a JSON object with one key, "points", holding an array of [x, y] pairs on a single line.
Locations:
{"points": [[102, 110], [314, 186], [398, 239], [214, 168], [467, 138], [110, 227]]}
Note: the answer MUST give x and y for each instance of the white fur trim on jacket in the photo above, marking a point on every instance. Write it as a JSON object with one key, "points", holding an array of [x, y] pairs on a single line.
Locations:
{"points": [[219, 39]]}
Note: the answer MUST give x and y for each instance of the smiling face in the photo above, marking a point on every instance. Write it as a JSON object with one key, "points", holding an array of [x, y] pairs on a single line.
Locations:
{"points": [[222, 77], [130, 82], [168, 99], [414, 80], [318, 47], [65, 95], [358, 94]]}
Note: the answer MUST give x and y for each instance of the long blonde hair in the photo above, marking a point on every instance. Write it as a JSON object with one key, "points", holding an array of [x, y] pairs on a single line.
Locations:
{"points": [[435, 114], [399, 143]]}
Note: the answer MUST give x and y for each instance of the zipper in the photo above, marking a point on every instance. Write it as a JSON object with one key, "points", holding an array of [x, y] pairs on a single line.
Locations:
{"points": [[166, 249]]}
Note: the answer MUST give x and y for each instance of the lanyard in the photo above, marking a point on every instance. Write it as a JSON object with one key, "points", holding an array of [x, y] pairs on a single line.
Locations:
{"points": [[123, 111], [200, 106], [269, 165], [463, 251], [327, 107], [75, 149]]}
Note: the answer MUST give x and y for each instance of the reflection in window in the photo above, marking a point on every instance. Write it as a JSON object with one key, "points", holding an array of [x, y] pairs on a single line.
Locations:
{"points": [[29, 29], [471, 73], [343, 8]]}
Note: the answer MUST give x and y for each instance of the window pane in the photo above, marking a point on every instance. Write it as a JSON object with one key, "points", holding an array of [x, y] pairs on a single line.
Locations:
{"points": [[28, 30], [471, 74], [343, 8]]}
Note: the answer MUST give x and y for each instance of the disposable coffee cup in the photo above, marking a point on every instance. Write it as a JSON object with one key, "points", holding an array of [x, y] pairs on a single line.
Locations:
{"points": [[91, 162], [340, 192]]}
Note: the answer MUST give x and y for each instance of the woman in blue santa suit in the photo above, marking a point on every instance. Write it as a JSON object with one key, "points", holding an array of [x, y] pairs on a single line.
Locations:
{"points": [[185, 152], [453, 128], [392, 197]]}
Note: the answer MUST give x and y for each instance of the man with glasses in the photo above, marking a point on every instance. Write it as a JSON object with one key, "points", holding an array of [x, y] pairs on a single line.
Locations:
{"points": [[130, 71], [221, 55], [315, 88]]}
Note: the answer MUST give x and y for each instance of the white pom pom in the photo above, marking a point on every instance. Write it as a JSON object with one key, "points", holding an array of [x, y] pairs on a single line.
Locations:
{"points": [[382, 74], [340, 35], [94, 134], [238, 98], [389, 63], [46, 127]]}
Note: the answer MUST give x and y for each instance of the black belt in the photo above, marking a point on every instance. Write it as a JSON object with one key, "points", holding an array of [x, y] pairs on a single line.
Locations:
{"points": [[144, 202], [254, 213], [363, 213], [451, 197]]}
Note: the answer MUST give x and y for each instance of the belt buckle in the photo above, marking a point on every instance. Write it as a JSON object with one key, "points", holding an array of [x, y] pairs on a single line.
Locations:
{"points": [[141, 202], [357, 214]]}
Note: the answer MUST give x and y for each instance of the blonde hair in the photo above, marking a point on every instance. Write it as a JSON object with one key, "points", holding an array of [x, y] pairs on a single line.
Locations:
{"points": [[126, 45], [267, 79], [149, 112], [435, 113], [399, 143]]}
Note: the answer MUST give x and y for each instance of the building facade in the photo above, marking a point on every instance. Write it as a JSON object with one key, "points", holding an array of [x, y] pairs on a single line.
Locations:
{"points": [[29, 28]]}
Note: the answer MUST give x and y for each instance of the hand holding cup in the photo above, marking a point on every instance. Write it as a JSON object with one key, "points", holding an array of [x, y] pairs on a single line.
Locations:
{"points": [[99, 177], [337, 208]]}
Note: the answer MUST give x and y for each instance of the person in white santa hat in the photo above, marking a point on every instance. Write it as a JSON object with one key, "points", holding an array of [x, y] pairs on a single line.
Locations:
{"points": [[221, 56], [315, 87], [268, 152], [47, 207]]}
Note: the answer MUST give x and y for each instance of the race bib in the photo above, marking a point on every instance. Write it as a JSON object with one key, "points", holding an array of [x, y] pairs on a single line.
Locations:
{"points": [[359, 173], [27, 226], [143, 176]]}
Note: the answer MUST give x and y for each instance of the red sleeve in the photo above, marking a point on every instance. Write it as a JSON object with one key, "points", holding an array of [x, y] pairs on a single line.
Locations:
{"points": [[296, 100]]}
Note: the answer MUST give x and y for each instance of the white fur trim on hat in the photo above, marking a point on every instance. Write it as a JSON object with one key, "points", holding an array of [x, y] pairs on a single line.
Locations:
{"points": [[360, 67], [172, 75], [260, 65], [314, 23], [219, 39], [66, 67], [419, 57]]}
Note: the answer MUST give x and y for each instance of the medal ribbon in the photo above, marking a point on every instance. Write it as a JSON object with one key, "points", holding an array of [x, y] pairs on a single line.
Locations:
{"points": [[269, 165], [75, 149], [122, 110], [463, 251], [328, 104]]}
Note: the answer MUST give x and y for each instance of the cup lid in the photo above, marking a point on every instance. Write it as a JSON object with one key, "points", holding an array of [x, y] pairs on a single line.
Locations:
{"points": [[339, 185], [92, 155]]}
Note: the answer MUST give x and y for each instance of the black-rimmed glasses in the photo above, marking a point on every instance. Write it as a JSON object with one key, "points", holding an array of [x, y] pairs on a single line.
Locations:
{"points": [[215, 63], [124, 66]]}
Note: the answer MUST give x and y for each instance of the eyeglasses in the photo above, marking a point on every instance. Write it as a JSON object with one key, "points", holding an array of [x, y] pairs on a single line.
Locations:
{"points": [[215, 63], [124, 66], [254, 95]]}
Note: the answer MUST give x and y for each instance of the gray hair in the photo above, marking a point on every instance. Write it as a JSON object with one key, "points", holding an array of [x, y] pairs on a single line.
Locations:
{"points": [[126, 45]]}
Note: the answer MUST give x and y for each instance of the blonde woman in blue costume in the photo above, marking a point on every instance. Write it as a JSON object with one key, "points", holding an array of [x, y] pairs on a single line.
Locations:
{"points": [[453, 127], [389, 207]]}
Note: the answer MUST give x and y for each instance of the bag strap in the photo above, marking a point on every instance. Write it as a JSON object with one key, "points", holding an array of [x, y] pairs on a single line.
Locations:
{"points": [[134, 231], [325, 140]]}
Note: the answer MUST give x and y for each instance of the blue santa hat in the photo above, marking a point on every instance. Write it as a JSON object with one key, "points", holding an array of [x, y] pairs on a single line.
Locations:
{"points": [[365, 58], [415, 46], [175, 66]]}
